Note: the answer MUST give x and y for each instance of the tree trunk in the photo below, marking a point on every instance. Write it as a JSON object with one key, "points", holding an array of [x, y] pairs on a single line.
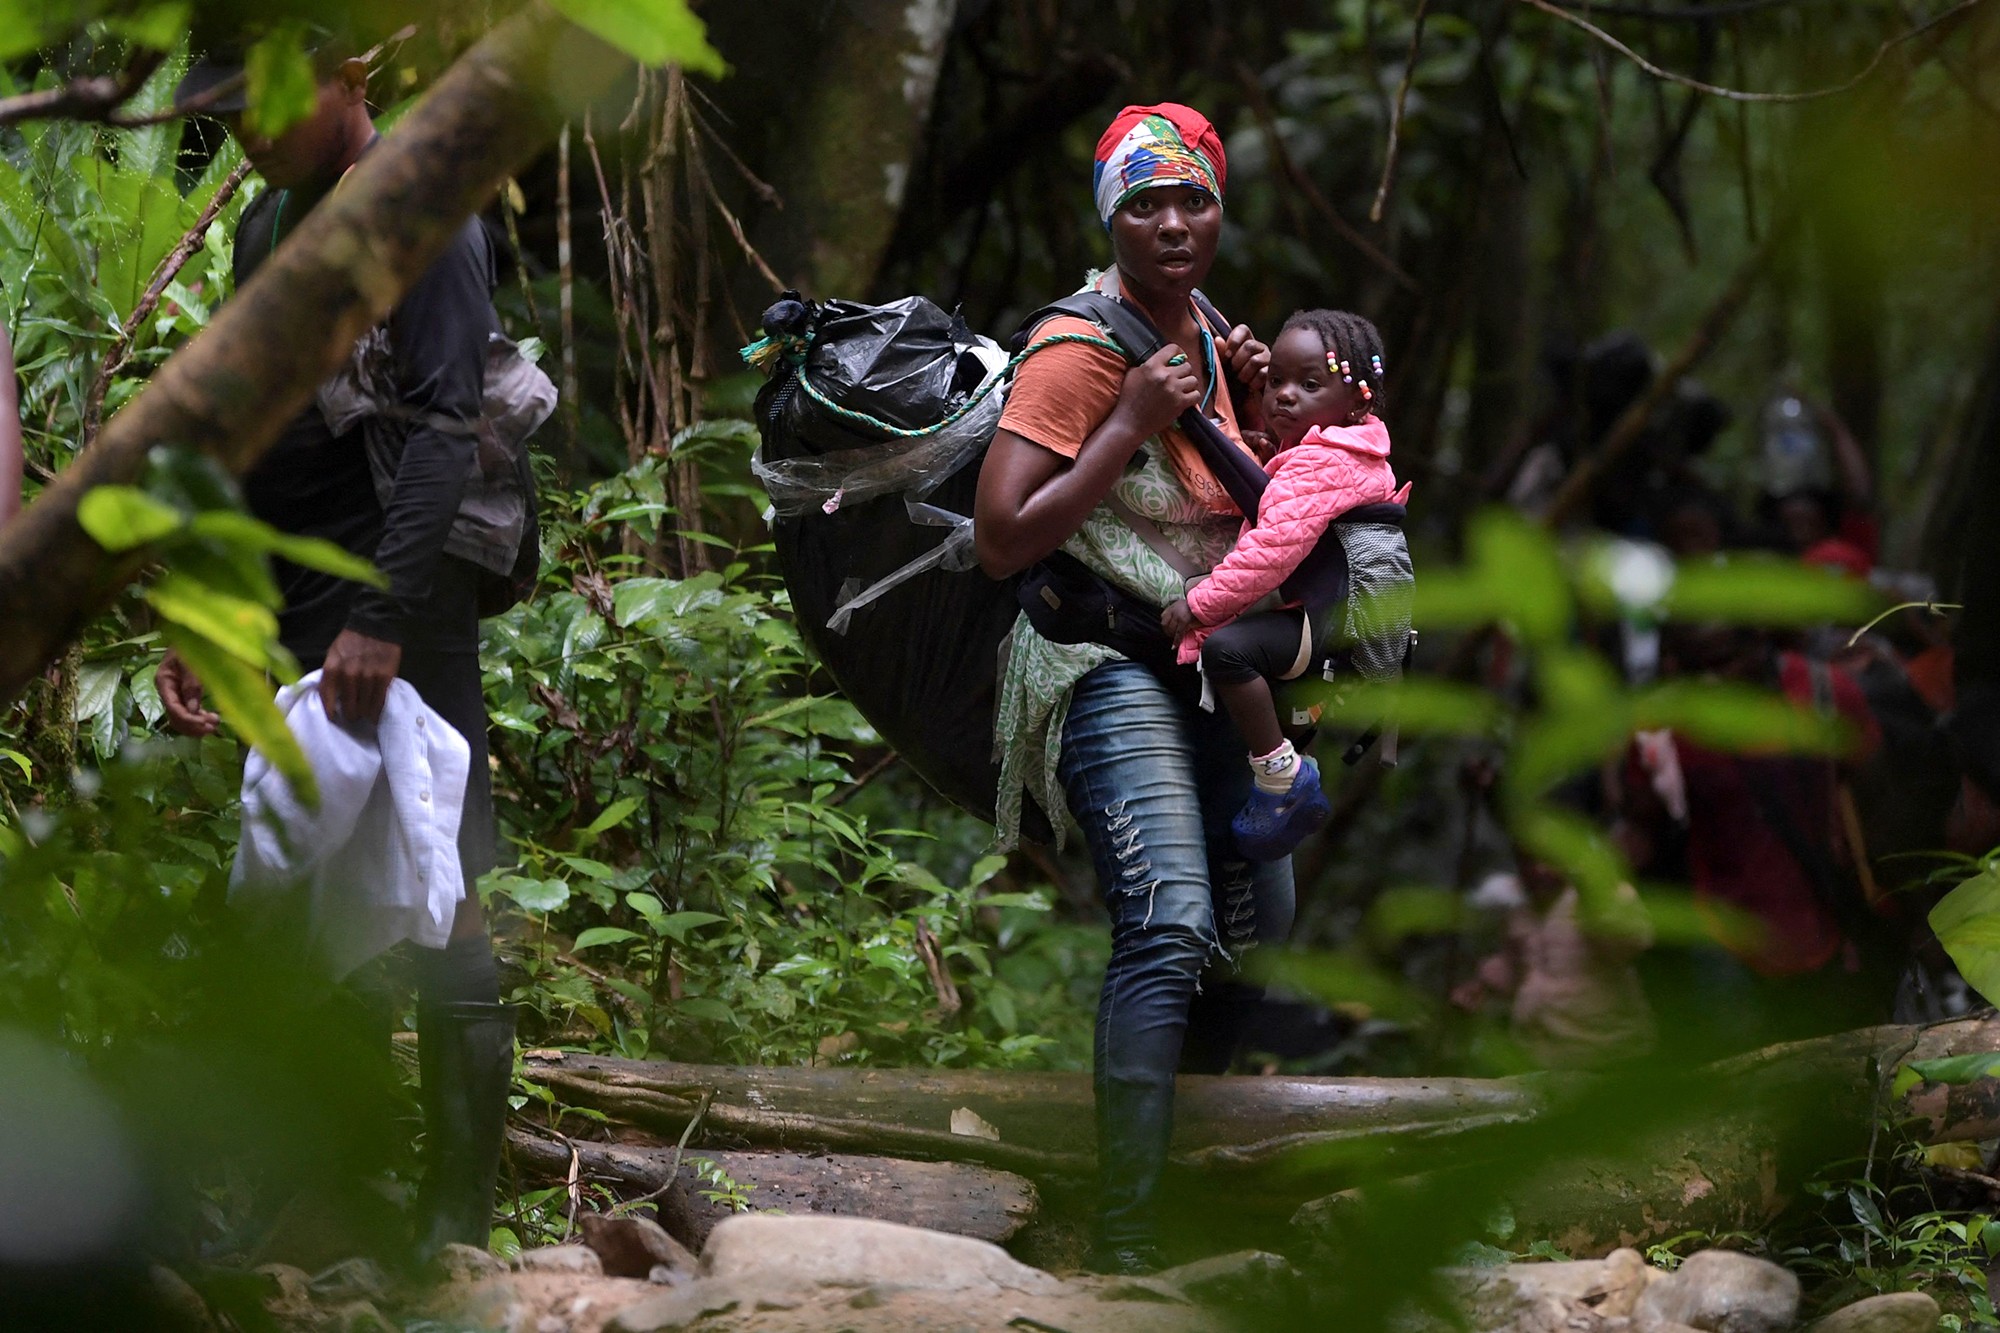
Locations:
{"points": [[841, 136], [1754, 1127], [965, 1200], [230, 392]]}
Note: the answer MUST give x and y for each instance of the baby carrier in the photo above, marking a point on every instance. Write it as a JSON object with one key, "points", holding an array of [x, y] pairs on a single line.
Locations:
{"points": [[873, 422]]}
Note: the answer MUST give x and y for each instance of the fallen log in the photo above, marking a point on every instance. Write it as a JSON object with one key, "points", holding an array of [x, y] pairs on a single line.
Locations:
{"points": [[1045, 1120], [1728, 1154], [963, 1199], [1749, 1129]]}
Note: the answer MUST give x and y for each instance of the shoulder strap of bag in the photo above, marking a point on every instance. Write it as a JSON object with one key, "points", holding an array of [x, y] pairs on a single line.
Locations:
{"points": [[1128, 326], [1149, 533]]}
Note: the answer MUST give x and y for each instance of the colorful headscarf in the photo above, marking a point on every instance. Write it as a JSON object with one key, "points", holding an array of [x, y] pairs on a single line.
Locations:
{"points": [[1167, 144]]}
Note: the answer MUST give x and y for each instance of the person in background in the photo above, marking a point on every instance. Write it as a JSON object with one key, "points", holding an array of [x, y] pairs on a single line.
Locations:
{"points": [[1822, 509], [1799, 944], [1573, 998], [423, 628]]}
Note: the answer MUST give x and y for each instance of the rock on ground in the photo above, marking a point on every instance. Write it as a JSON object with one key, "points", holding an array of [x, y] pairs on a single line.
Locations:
{"points": [[1898, 1312], [1720, 1291], [854, 1252], [632, 1246]]}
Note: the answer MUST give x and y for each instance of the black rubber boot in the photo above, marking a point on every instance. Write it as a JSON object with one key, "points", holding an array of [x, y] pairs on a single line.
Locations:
{"points": [[465, 1055]]}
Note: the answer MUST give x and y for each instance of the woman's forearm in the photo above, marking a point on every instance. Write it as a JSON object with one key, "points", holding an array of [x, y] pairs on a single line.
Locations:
{"points": [[1031, 499]]}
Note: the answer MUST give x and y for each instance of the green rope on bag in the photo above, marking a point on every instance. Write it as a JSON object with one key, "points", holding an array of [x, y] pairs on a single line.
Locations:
{"points": [[793, 348]]}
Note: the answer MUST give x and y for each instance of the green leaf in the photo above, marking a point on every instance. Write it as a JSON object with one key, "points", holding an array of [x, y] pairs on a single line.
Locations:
{"points": [[26, 24], [240, 627], [504, 1243], [239, 529], [20, 761], [653, 32], [1957, 1069], [676, 925], [155, 26], [1967, 922], [1728, 716], [280, 83], [614, 814], [537, 895], [702, 1007], [597, 935], [1767, 590], [121, 518], [242, 696]]}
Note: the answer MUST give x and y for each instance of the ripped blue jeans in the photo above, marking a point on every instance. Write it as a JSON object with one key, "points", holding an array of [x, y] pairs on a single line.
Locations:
{"points": [[1153, 783]]}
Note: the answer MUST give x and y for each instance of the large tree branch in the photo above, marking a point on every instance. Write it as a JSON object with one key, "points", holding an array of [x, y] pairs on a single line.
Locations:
{"points": [[228, 393]]}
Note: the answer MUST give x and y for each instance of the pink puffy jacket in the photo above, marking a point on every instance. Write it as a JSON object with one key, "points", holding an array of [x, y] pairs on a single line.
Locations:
{"points": [[1329, 472]]}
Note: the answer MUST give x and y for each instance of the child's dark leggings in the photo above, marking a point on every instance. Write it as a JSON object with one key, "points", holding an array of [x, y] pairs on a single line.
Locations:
{"points": [[1265, 644]]}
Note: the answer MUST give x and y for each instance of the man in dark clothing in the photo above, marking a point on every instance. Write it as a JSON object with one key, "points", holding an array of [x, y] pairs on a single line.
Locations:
{"points": [[423, 628]]}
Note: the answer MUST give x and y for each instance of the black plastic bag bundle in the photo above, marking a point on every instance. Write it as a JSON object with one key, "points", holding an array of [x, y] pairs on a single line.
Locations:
{"points": [[919, 662]]}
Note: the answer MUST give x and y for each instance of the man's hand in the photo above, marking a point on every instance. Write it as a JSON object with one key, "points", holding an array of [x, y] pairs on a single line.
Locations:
{"points": [[180, 696], [1250, 359], [354, 681], [1177, 619]]}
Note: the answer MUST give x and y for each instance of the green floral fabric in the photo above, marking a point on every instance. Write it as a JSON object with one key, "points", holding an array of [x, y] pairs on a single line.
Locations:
{"points": [[1037, 676]]}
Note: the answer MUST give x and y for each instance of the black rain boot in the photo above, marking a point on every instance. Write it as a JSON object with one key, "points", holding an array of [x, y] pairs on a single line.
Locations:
{"points": [[465, 1056]]}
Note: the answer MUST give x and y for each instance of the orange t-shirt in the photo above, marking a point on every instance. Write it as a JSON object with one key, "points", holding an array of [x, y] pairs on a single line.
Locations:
{"points": [[1063, 393]]}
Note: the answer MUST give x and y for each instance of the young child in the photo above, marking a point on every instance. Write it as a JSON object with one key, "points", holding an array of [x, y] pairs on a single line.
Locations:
{"points": [[1325, 386]]}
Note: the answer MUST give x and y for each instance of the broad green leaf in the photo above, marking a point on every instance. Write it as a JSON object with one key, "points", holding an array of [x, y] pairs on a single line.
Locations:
{"points": [[243, 628], [676, 925], [584, 865], [537, 895], [243, 697], [96, 689], [1768, 590], [1740, 718], [20, 761], [653, 32], [1957, 1069], [279, 81], [121, 518], [26, 24], [1586, 718], [702, 1007], [1967, 922], [240, 529], [614, 814], [502, 1242], [597, 935]]}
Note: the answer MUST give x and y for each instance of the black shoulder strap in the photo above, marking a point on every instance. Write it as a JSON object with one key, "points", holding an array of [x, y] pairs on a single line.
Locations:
{"points": [[1128, 326]]}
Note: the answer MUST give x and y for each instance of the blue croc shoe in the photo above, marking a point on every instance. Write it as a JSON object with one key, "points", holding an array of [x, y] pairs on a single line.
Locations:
{"points": [[1268, 826]]}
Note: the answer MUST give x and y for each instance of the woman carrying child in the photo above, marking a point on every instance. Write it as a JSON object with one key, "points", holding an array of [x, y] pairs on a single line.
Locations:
{"points": [[1151, 780], [1320, 400]]}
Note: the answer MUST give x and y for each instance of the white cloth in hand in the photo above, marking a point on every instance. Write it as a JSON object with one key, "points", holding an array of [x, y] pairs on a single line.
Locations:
{"points": [[379, 856]]}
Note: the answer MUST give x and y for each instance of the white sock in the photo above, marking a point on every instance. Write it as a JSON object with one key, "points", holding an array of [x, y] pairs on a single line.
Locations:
{"points": [[1273, 772]]}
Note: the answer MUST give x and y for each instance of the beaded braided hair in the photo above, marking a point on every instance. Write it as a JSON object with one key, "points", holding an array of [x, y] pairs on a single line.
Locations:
{"points": [[1353, 349]]}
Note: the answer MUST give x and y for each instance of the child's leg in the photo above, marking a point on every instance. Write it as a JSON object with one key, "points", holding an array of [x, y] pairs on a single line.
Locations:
{"points": [[1241, 659], [1252, 708]]}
